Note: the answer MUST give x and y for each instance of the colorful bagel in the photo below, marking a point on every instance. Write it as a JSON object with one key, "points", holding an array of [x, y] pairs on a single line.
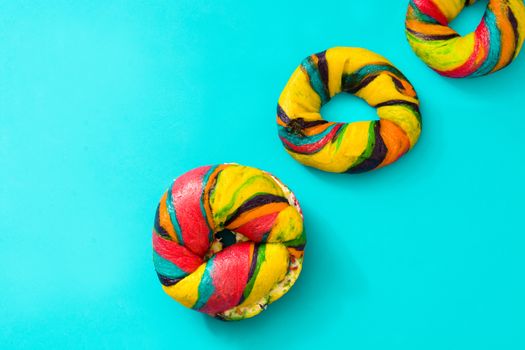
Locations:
{"points": [[348, 147], [496, 42], [228, 240]]}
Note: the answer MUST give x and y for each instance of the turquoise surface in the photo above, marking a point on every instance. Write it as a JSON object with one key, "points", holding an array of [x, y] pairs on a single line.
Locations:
{"points": [[103, 103]]}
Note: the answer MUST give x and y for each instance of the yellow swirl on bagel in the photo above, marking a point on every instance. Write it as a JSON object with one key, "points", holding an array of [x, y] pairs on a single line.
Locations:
{"points": [[228, 240], [348, 147], [494, 44]]}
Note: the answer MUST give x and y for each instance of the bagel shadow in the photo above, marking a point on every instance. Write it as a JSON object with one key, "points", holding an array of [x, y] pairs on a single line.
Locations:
{"points": [[408, 169], [487, 86], [483, 86], [309, 299], [491, 86]]}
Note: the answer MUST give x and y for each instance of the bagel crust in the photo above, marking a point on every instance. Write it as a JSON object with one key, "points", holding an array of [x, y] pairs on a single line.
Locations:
{"points": [[494, 44], [228, 240], [348, 147]]}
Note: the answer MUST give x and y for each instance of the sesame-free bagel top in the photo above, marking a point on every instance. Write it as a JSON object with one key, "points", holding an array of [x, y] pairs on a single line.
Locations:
{"points": [[348, 147], [228, 240], [494, 44]]}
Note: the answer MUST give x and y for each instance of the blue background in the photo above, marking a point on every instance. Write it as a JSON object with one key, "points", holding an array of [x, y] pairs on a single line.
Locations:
{"points": [[103, 103]]}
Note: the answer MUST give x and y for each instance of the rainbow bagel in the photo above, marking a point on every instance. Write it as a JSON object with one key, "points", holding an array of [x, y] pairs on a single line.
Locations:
{"points": [[348, 147], [228, 240], [496, 42]]}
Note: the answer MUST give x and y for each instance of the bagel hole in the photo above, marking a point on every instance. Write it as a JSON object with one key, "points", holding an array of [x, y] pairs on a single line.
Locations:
{"points": [[468, 20], [347, 108], [227, 238], [224, 239]]}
